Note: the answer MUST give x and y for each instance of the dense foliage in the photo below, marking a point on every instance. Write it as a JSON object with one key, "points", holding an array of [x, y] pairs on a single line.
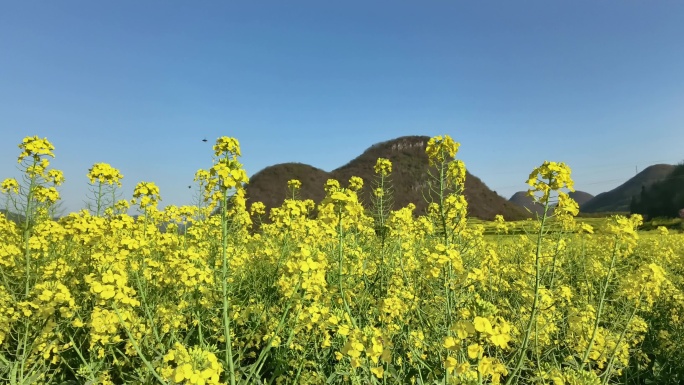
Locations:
{"points": [[662, 199], [178, 296]]}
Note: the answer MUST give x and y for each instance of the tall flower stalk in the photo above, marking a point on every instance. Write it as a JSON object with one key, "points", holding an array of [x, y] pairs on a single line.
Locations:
{"points": [[545, 179], [228, 176]]}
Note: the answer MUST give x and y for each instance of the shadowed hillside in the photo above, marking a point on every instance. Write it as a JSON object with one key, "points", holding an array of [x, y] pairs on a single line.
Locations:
{"points": [[526, 203], [664, 198], [581, 197], [270, 184], [619, 198], [16, 218], [409, 180]]}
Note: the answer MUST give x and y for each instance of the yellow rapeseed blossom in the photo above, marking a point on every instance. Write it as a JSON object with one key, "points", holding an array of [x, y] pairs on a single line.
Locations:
{"points": [[146, 194], [149, 298], [550, 176], [355, 183], [383, 167], [46, 194], [227, 146], [103, 173], [56, 177], [441, 149], [258, 208], [191, 366], [9, 185], [33, 146], [475, 351], [294, 184]]}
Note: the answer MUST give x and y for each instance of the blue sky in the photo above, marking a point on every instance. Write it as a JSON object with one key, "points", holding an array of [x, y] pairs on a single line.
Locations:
{"points": [[138, 84]]}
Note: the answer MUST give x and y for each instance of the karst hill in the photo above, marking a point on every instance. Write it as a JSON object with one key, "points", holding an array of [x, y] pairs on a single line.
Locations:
{"points": [[409, 179]]}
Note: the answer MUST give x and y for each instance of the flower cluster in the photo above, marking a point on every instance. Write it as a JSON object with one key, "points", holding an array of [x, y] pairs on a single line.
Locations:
{"points": [[103, 173], [330, 292]]}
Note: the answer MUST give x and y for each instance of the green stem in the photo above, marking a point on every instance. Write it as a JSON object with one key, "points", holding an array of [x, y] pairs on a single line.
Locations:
{"points": [[28, 217], [599, 311], [609, 368], [99, 199], [535, 302], [340, 258], [224, 287], [137, 348]]}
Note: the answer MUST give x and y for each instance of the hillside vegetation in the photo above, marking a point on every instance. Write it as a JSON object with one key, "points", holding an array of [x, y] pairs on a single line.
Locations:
{"points": [[619, 198], [664, 198], [409, 180]]}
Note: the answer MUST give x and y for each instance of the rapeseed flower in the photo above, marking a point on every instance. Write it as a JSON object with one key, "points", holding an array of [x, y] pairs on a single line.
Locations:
{"points": [[441, 149], [33, 146], [103, 173], [383, 167], [9, 185]]}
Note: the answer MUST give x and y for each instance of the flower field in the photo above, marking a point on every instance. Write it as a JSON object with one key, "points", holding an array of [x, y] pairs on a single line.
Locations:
{"points": [[222, 292]]}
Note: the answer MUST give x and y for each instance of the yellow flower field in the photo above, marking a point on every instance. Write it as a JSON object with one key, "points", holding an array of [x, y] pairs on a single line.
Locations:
{"points": [[332, 293]]}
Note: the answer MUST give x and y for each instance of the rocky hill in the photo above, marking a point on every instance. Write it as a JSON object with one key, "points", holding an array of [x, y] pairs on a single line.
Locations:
{"points": [[409, 180]]}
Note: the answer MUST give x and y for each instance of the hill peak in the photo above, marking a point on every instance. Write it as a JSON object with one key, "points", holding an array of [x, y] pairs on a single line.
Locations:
{"points": [[618, 199], [409, 179]]}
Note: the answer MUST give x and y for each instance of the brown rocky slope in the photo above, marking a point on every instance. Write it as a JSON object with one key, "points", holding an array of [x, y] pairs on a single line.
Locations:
{"points": [[409, 180]]}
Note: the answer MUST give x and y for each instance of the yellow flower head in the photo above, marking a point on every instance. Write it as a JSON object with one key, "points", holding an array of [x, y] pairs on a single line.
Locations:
{"points": [[383, 167], [230, 174], [331, 185], [46, 194], [227, 146], [146, 193], [566, 205], [355, 183], [258, 208], [202, 175], [456, 172], [483, 325], [104, 173], [32, 146], [294, 184], [191, 366], [586, 228], [441, 148], [625, 228], [550, 176], [55, 177], [9, 185], [475, 351]]}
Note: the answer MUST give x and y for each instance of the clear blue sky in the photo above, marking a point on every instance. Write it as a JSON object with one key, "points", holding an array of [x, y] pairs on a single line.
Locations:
{"points": [[138, 84]]}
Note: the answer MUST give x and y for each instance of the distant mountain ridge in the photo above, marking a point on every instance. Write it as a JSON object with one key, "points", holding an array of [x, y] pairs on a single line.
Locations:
{"points": [[409, 180], [619, 198], [521, 199], [664, 198]]}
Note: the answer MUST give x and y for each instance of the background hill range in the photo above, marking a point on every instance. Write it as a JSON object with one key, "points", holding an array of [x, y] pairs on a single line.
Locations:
{"points": [[521, 199], [656, 190], [409, 180], [410, 176], [637, 190]]}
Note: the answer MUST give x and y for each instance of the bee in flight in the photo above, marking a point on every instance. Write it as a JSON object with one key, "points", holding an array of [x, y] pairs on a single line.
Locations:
{"points": [[204, 140]]}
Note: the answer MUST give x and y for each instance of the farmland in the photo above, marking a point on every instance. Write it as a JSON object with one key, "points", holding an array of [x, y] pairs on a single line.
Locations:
{"points": [[225, 293]]}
